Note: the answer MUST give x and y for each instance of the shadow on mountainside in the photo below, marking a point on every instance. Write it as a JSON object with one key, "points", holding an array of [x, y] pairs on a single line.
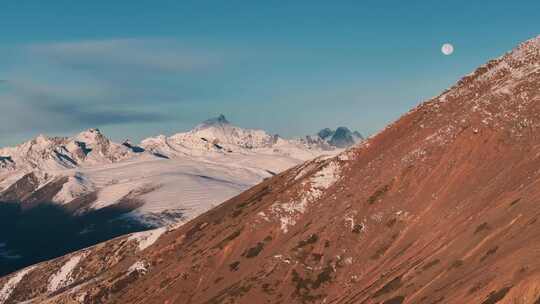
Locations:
{"points": [[48, 231]]}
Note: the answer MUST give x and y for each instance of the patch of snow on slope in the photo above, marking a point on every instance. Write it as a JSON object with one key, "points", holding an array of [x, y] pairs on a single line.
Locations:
{"points": [[146, 238], [139, 266], [289, 212], [326, 177], [305, 169], [63, 277], [347, 155], [10, 285]]}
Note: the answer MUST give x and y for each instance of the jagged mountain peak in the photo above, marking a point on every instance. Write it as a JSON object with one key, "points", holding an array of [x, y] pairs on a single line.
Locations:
{"points": [[90, 133], [43, 152], [325, 133], [219, 133], [41, 138], [341, 137], [219, 121], [91, 136]]}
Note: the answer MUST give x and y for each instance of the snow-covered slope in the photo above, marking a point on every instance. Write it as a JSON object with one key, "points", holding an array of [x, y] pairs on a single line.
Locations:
{"points": [[162, 180], [217, 136]]}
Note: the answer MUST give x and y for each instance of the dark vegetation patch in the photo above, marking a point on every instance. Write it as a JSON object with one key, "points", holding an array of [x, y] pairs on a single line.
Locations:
{"points": [[232, 292], [514, 202], [255, 198], [48, 231], [358, 228], [253, 251], [267, 288], [481, 227], [165, 283], [306, 283], [316, 257], [388, 287], [304, 247], [311, 240], [477, 287], [404, 249], [234, 266], [496, 296], [379, 193], [391, 222], [236, 213], [395, 300], [489, 252], [194, 230], [456, 264], [323, 277], [219, 279], [430, 264], [382, 250], [304, 287], [228, 239], [119, 283]]}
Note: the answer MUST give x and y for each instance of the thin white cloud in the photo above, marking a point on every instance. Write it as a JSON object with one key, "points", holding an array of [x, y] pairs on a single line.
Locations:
{"points": [[66, 86], [147, 54], [47, 91]]}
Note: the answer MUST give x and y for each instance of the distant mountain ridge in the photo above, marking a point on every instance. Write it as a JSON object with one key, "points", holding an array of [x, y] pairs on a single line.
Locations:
{"points": [[342, 137], [59, 166], [88, 179], [91, 147]]}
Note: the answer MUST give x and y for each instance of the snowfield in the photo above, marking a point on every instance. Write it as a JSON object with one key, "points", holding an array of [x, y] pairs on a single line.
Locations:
{"points": [[164, 180]]}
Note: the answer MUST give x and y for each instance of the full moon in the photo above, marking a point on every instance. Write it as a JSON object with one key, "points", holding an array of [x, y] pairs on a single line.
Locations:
{"points": [[447, 49]]}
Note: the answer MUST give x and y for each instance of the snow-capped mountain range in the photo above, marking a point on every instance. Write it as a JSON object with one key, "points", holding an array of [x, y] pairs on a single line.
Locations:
{"points": [[164, 179]]}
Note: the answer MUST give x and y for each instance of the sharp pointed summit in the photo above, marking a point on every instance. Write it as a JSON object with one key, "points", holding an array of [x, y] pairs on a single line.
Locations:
{"points": [[219, 121]]}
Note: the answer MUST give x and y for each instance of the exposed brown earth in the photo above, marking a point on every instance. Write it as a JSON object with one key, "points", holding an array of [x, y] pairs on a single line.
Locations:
{"points": [[440, 207]]}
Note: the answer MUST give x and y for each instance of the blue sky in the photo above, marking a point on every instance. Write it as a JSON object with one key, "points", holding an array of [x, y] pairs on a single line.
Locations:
{"points": [[141, 68]]}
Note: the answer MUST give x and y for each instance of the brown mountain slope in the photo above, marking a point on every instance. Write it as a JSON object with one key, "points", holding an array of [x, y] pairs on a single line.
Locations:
{"points": [[440, 207]]}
